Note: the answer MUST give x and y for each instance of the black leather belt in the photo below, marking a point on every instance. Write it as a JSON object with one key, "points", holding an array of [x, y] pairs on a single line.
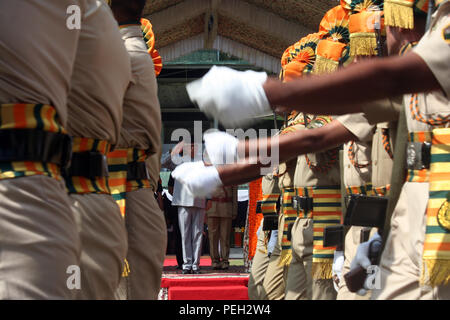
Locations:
{"points": [[89, 164], [35, 145], [137, 171]]}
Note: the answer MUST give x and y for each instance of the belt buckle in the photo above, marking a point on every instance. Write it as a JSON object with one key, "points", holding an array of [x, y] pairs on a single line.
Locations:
{"points": [[418, 155], [295, 201], [105, 168], [66, 155], [98, 165]]}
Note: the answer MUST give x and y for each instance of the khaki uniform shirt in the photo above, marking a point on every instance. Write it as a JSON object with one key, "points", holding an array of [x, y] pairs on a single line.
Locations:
{"points": [[360, 127], [286, 170], [383, 110], [37, 69], [100, 78], [226, 209], [382, 162], [141, 126], [306, 177], [269, 184]]}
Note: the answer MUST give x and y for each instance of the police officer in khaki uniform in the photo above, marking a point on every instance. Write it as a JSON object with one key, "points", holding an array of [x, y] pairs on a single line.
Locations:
{"points": [[101, 227], [140, 136], [414, 252], [311, 95], [38, 233], [220, 214], [264, 250]]}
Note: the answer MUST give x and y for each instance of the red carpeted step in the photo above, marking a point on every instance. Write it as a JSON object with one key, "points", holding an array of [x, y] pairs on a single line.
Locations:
{"points": [[208, 293], [204, 281]]}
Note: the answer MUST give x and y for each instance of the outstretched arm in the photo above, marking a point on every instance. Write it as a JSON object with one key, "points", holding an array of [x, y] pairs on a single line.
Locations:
{"points": [[344, 91], [290, 146]]}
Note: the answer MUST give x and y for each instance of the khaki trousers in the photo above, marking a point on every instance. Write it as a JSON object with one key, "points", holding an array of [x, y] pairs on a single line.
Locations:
{"points": [[260, 263], [299, 283], [352, 241], [147, 243], [219, 231], [103, 245], [401, 261], [38, 239], [274, 282]]}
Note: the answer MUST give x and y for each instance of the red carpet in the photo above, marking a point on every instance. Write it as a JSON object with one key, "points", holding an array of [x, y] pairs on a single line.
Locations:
{"points": [[213, 286]]}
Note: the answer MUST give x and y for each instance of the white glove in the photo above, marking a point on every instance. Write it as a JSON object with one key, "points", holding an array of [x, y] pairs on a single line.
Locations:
{"points": [[200, 180], [336, 270], [232, 97], [221, 147], [362, 259], [362, 253]]}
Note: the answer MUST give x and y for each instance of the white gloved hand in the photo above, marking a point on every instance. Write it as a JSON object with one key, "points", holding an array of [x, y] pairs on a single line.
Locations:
{"points": [[362, 253], [232, 97], [200, 180], [362, 259], [221, 147], [336, 270]]}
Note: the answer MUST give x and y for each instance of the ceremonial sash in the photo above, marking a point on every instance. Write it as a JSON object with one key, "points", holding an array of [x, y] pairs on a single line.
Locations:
{"points": [[83, 185], [29, 116], [436, 251], [326, 212], [290, 215], [268, 205], [368, 189], [117, 166], [137, 155]]}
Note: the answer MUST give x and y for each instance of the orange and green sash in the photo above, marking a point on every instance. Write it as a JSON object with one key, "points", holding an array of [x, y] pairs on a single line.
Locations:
{"points": [[436, 254], [326, 212], [268, 205], [137, 155], [29, 116], [369, 189], [290, 215], [83, 185], [117, 166]]}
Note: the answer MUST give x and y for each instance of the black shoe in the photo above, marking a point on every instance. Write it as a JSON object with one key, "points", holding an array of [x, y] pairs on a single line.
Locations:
{"points": [[196, 271], [186, 271], [179, 267]]}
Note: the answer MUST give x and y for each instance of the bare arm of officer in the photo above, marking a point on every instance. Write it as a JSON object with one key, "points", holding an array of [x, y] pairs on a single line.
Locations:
{"points": [[343, 92], [290, 146]]}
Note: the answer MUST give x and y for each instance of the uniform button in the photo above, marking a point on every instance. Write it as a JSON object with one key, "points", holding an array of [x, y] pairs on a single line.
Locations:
{"points": [[375, 162], [349, 166]]}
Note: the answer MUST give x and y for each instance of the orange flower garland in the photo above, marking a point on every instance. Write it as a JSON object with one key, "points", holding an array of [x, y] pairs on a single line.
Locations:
{"points": [[254, 220]]}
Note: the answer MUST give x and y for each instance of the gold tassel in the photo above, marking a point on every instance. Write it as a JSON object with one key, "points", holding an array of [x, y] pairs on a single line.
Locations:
{"points": [[324, 65], [435, 273], [322, 270], [399, 14], [126, 269], [285, 258], [363, 45]]}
